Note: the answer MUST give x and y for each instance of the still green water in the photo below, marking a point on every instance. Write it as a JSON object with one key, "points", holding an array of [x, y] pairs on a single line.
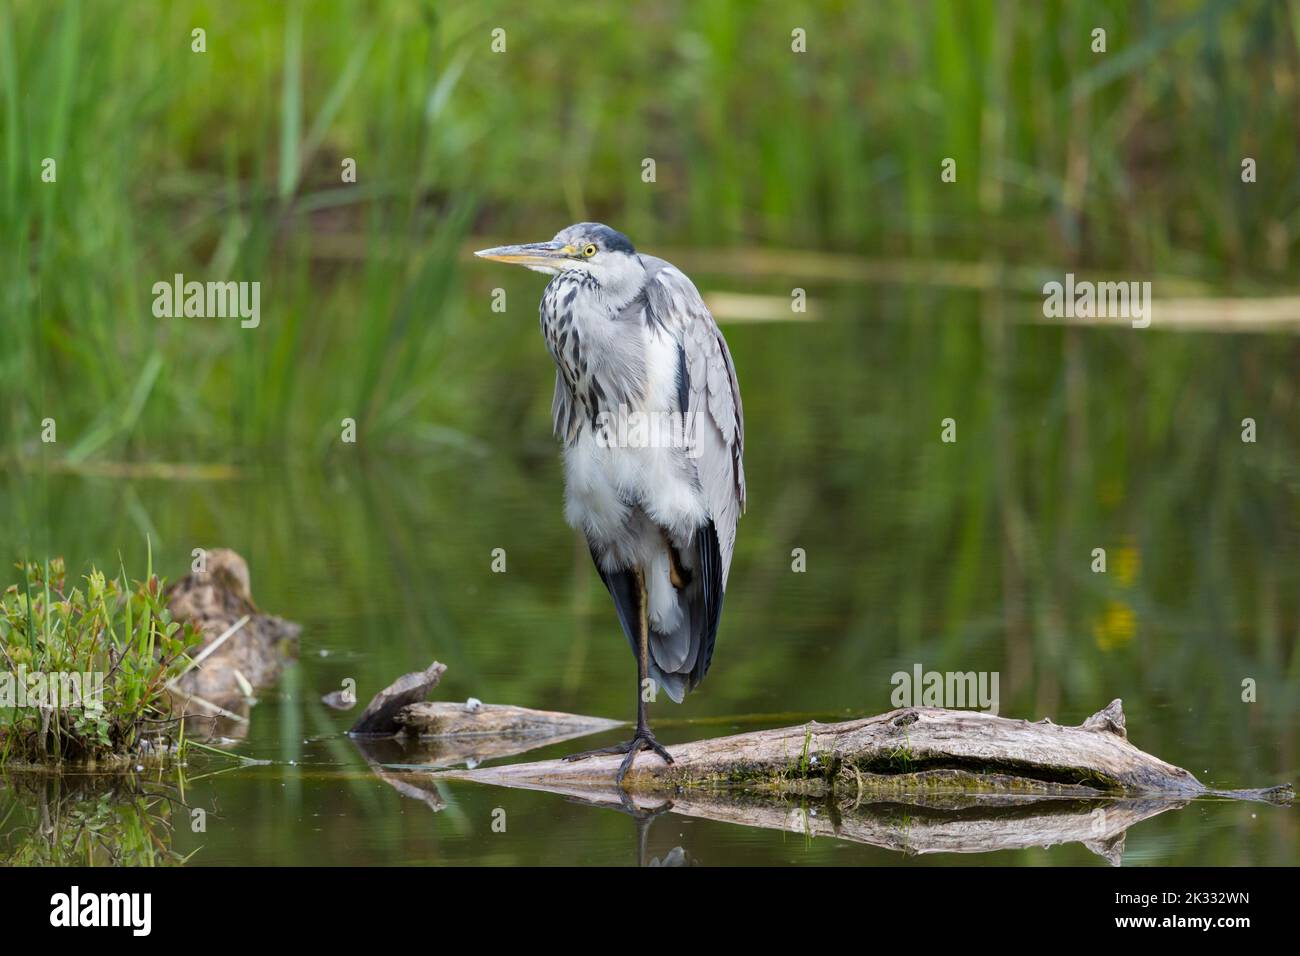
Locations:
{"points": [[973, 555]]}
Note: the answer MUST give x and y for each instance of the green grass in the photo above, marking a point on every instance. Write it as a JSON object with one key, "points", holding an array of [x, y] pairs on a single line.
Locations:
{"points": [[117, 638]]}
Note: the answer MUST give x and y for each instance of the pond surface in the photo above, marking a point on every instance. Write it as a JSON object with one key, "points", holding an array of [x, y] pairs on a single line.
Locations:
{"points": [[976, 555]]}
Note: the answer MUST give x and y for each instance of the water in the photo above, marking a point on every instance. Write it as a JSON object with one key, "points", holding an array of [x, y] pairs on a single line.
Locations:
{"points": [[975, 555]]}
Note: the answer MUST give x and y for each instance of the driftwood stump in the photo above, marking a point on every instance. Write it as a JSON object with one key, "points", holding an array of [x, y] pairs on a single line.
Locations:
{"points": [[380, 715]]}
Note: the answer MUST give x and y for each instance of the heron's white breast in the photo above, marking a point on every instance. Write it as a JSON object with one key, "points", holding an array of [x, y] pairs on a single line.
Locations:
{"points": [[605, 480]]}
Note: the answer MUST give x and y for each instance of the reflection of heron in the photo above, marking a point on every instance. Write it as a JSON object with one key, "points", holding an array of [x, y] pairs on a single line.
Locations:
{"points": [[642, 817], [658, 501]]}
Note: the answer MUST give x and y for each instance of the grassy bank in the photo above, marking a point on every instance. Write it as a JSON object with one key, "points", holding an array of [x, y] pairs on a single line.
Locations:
{"points": [[85, 666]]}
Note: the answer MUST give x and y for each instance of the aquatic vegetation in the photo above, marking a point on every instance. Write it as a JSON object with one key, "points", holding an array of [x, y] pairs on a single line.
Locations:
{"points": [[85, 666], [87, 820]]}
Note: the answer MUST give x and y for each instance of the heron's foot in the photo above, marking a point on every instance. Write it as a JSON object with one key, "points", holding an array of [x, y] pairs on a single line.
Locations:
{"points": [[644, 740]]}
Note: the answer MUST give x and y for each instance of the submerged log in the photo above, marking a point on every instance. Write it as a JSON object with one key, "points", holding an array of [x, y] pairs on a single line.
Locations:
{"points": [[472, 718], [909, 755]]}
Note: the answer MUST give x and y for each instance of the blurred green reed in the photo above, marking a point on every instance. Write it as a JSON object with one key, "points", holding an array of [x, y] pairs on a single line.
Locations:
{"points": [[226, 165]]}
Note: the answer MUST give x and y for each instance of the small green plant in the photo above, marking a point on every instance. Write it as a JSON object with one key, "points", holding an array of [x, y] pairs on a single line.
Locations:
{"points": [[803, 757], [901, 757], [803, 764], [83, 670]]}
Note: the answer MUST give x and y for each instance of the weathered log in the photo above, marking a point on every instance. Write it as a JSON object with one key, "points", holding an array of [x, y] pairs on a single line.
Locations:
{"points": [[906, 755], [380, 715]]}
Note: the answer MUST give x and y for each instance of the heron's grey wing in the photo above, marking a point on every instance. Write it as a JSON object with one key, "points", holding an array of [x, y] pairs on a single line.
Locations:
{"points": [[708, 380], [710, 399]]}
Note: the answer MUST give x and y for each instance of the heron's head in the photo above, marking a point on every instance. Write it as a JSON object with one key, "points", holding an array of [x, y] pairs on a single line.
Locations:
{"points": [[603, 253]]}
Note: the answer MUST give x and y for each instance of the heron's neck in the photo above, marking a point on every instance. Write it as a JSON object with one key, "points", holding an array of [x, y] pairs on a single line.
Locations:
{"points": [[599, 356]]}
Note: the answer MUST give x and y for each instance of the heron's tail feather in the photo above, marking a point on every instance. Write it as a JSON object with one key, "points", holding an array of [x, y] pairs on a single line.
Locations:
{"points": [[680, 657], [674, 685], [706, 611], [622, 588]]}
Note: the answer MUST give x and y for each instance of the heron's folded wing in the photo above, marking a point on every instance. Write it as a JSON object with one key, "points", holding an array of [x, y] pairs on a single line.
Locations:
{"points": [[714, 410]]}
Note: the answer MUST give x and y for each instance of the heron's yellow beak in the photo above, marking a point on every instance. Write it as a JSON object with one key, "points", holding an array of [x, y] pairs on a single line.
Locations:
{"points": [[542, 254]]}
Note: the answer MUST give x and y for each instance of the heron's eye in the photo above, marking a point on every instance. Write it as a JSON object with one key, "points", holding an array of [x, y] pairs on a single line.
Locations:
{"points": [[589, 250]]}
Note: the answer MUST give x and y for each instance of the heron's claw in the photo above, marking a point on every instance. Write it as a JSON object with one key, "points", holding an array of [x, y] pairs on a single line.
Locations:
{"points": [[638, 743], [644, 740]]}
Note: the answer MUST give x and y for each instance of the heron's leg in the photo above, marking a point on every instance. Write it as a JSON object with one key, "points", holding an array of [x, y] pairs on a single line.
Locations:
{"points": [[643, 739], [642, 652]]}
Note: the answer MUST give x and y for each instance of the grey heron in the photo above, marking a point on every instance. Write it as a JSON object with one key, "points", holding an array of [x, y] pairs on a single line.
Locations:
{"points": [[657, 496]]}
